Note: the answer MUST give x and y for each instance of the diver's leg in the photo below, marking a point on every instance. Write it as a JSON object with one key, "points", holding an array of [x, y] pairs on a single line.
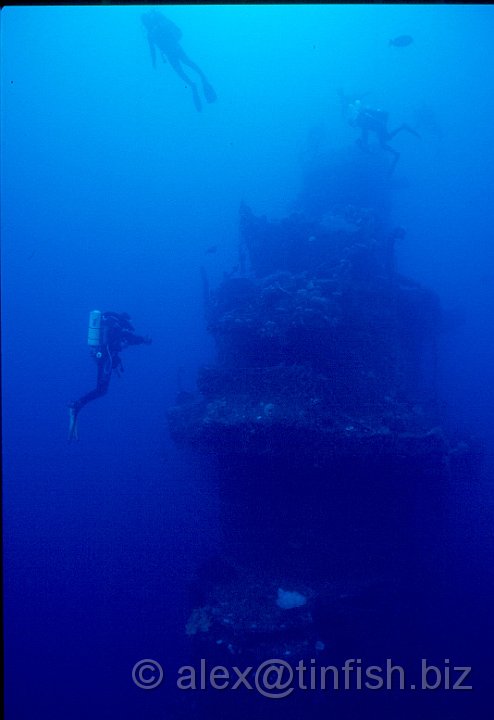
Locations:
{"points": [[102, 383], [402, 128], [185, 59], [363, 140], [394, 153], [207, 88], [175, 63], [76, 406]]}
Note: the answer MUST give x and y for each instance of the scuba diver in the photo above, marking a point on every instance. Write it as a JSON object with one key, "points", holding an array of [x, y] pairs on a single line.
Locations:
{"points": [[165, 35], [109, 333], [373, 120]]}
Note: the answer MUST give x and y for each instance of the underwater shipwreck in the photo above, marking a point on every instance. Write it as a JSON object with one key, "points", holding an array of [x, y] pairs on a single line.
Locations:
{"points": [[321, 420]]}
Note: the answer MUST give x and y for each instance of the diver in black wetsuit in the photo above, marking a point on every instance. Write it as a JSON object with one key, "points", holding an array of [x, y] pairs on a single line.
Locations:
{"points": [[376, 121], [109, 334], [165, 35]]}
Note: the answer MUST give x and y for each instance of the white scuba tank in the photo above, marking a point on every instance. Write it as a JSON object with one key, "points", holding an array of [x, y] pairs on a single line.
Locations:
{"points": [[94, 334]]}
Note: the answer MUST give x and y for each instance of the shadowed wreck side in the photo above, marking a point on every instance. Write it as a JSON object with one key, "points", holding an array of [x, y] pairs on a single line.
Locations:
{"points": [[321, 419]]}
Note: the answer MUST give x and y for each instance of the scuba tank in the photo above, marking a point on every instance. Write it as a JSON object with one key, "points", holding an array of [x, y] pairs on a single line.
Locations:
{"points": [[353, 111], [95, 330], [97, 337]]}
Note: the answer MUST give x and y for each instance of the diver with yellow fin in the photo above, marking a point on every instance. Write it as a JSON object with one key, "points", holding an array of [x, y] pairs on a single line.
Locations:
{"points": [[109, 333]]}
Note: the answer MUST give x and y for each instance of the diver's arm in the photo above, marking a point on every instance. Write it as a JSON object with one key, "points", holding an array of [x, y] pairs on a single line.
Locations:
{"points": [[152, 51], [129, 338]]}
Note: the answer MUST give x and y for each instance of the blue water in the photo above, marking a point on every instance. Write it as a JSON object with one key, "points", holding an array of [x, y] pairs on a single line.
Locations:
{"points": [[113, 187]]}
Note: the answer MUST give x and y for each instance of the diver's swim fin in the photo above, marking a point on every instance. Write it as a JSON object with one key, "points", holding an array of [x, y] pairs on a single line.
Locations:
{"points": [[209, 93], [73, 435], [196, 98]]}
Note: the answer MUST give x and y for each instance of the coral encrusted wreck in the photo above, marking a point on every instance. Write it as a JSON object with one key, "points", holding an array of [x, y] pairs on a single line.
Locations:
{"points": [[323, 350], [319, 418]]}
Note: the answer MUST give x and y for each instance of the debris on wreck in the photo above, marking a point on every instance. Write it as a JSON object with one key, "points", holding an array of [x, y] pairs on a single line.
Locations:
{"points": [[321, 340], [289, 599], [320, 417]]}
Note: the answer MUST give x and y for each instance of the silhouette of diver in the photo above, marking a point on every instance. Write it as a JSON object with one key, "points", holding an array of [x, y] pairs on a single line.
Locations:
{"points": [[375, 121], [109, 334], [165, 35]]}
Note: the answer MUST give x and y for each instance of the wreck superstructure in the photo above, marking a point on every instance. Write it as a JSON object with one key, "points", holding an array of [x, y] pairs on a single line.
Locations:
{"points": [[319, 416]]}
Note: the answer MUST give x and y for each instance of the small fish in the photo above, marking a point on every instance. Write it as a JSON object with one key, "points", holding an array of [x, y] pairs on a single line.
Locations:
{"points": [[211, 249], [402, 41]]}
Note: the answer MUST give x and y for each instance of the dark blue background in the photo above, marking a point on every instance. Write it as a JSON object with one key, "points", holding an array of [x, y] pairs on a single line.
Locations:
{"points": [[113, 186]]}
